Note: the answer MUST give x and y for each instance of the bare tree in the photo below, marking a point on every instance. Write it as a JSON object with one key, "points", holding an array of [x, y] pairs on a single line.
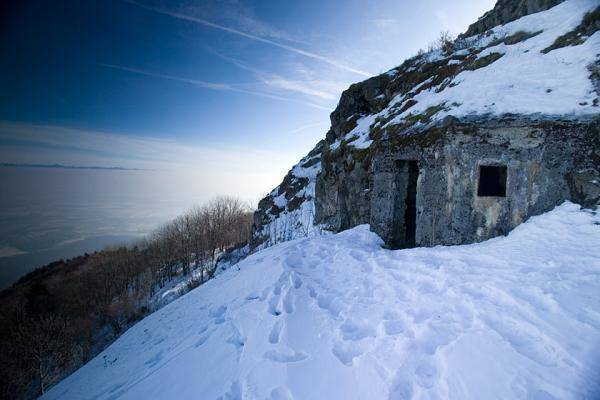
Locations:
{"points": [[46, 345]]}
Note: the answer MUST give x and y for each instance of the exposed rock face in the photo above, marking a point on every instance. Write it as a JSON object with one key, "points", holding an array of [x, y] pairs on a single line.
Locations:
{"points": [[414, 152], [506, 11]]}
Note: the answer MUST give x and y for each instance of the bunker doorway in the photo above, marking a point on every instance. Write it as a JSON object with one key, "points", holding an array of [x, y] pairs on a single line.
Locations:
{"points": [[405, 210]]}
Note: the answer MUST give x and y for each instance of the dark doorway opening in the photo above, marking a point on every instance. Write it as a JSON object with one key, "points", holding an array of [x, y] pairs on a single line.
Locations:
{"points": [[492, 181], [405, 205], [410, 214]]}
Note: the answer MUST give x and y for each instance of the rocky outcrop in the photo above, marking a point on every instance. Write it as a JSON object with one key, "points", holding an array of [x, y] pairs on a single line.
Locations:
{"points": [[506, 11], [406, 149]]}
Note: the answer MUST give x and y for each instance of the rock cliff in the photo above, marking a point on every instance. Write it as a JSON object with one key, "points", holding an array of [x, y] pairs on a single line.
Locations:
{"points": [[525, 69]]}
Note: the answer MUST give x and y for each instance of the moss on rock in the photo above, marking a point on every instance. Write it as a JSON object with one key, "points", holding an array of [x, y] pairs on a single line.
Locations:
{"points": [[483, 61], [588, 26]]}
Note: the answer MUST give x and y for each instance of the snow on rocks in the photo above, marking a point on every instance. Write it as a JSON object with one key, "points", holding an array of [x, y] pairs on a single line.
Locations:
{"points": [[507, 70], [525, 80], [288, 211], [339, 317], [359, 136]]}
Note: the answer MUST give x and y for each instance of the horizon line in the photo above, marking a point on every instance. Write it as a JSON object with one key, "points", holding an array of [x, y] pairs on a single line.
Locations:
{"points": [[64, 166]]}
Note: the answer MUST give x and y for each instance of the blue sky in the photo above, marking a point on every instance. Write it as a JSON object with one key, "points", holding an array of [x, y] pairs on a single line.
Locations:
{"points": [[226, 93]]}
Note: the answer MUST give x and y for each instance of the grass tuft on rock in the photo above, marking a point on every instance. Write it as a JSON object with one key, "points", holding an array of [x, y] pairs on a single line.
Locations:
{"points": [[589, 25], [483, 61], [515, 38]]}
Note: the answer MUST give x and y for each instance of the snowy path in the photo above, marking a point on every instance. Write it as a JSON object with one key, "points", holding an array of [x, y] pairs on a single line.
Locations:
{"points": [[338, 317]]}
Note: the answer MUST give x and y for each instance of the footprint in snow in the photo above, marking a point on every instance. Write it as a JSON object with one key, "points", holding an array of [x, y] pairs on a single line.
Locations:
{"points": [[522, 339], [274, 305], [296, 281], [358, 255], [285, 355], [294, 260], [434, 337], [281, 393], [426, 374], [394, 327], [236, 339], [155, 359], [330, 303], [252, 296], [202, 339], [218, 314], [265, 294], [288, 302], [275, 334], [354, 330], [346, 352], [235, 392]]}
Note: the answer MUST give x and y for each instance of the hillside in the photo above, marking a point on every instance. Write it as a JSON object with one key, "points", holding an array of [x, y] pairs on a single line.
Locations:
{"points": [[486, 144], [539, 69], [337, 316]]}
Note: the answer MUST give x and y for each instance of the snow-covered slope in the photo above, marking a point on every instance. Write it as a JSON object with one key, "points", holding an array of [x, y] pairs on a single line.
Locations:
{"points": [[339, 317], [525, 79]]}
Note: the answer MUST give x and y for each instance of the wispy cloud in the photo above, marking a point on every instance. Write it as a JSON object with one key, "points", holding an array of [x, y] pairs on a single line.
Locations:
{"points": [[237, 14], [304, 87], [213, 169], [308, 126], [240, 88], [324, 90], [195, 82], [250, 36], [107, 148]]}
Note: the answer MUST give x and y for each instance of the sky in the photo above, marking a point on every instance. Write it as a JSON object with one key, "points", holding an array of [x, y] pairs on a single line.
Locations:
{"points": [[226, 95]]}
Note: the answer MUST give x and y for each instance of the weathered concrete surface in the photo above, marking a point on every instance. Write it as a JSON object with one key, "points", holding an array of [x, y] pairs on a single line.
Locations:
{"points": [[547, 163]]}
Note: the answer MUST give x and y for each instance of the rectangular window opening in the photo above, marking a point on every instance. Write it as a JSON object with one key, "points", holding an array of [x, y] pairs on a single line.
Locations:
{"points": [[492, 181]]}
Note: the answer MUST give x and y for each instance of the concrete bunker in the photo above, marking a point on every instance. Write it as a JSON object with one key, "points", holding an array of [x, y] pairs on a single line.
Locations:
{"points": [[458, 182]]}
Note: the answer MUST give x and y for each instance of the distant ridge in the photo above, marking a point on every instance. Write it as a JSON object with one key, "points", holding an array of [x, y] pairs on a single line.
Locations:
{"points": [[61, 166]]}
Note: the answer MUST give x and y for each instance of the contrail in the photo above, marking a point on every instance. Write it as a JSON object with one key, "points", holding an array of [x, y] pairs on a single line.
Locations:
{"points": [[280, 82], [307, 126], [252, 37], [210, 85]]}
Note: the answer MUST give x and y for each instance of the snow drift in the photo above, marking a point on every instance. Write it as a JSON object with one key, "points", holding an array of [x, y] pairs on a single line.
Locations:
{"points": [[339, 317]]}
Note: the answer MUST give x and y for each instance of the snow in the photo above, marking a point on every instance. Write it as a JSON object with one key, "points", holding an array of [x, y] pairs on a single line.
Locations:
{"points": [[298, 223], [361, 132], [289, 225], [525, 80], [306, 172], [280, 201], [339, 317], [359, 136]]}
